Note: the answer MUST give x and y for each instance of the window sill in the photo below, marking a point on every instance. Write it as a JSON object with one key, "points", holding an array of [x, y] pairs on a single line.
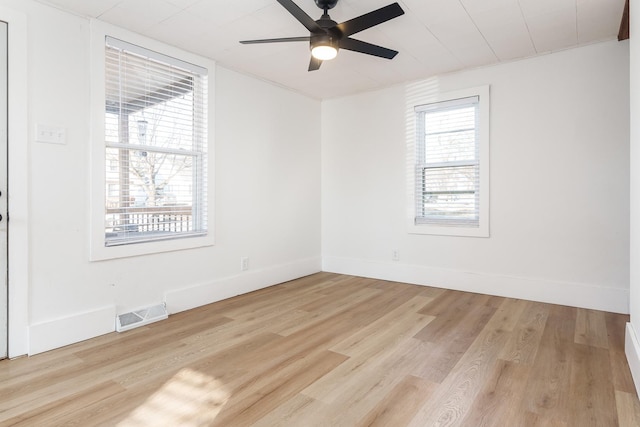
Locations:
{"points": [[439, 230], [146, 248]]}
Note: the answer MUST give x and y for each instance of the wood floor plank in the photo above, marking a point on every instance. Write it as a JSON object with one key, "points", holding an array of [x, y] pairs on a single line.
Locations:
{"points": [[326, 333], [156, 367], [221, 366], [499, 400], [43, 366], [335, 350], [245, 303], [327, 311], [523, 343], [390, 286], [229, 334], [288, 300], [397, 324], [529, 419], [628, 409], [449, 320], [269, 394], [51, 387], [368, 383], [511, 311], [300, 410], [449, 301], [53, 413], [138, 367], [592, 394], [591, 328], [156, 401], [345, 290], [453, 341], [188, 399], [400, 404], [549, 388], [456, 394], [431, 292], [365, 354]]}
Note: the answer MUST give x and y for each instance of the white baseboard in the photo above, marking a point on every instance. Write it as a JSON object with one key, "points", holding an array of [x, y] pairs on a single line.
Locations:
{"points": [[573, 294], [57, 333], [632, 350], [227, 287]]}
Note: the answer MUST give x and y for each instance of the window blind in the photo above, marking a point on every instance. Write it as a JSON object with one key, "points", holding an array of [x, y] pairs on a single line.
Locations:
{"points": [[447, 163], [156, 146]]}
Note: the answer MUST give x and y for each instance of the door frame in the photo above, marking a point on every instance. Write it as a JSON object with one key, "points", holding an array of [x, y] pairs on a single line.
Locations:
{"points": [[4, 237], [18, 183]]}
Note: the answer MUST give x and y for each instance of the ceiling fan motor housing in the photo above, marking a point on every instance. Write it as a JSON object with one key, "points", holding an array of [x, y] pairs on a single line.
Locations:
{"points": [[326, 4], [324, 40], [328, 24]]}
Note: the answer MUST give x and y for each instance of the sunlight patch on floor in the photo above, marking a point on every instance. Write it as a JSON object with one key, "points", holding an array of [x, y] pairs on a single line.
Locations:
{"points": [[189, 398]]}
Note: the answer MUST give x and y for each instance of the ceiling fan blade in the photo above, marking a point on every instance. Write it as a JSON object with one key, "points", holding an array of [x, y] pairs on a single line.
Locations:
{"points": [[370, 19], [279, 40], [368, 48], [314, 64], [301, 16]]}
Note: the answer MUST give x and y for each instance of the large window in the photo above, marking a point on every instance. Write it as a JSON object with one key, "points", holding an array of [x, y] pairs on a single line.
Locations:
{"points": [[155, 146], [450, 167]]}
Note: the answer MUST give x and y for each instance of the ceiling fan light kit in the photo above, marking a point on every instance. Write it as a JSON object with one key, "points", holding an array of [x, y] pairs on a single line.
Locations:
{"points": [[326, 36], [324, 53], [324, 47]]}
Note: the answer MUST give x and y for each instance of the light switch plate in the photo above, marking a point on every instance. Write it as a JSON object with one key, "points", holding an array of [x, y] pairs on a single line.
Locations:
{"points": [[51, 134]]}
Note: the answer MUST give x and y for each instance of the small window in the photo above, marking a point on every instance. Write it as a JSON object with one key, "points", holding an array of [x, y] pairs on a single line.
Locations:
{"points": [[155, 146], [450, 167]]}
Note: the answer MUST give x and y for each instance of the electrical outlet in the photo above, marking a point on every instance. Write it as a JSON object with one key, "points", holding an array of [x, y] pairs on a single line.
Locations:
{"points": [[395, 255], [244, 263]]}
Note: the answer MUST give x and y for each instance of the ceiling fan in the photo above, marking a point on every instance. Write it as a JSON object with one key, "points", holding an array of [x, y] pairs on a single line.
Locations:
{"points": [[327, 36]]}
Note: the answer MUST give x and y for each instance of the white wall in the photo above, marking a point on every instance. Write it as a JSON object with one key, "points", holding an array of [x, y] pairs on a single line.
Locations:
{"points": [[559, 211], [267, 179], [633, 328]]}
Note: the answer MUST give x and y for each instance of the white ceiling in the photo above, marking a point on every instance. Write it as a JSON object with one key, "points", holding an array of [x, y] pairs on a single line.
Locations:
{"points": [[433, 36]]}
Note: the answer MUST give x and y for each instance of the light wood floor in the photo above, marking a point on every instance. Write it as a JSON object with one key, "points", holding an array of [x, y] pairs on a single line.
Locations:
{"points": [[333, 350]]}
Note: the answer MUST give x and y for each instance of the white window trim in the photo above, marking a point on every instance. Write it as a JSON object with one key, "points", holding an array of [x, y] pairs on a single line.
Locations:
{"points": [[98, 250], [458, 230]]}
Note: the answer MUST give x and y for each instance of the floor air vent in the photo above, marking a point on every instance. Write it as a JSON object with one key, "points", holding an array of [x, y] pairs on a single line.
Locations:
{"points": [[137, 318]]}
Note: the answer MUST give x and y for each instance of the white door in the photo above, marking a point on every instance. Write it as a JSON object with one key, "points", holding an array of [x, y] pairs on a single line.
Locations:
{"points": [[3, 191]]}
